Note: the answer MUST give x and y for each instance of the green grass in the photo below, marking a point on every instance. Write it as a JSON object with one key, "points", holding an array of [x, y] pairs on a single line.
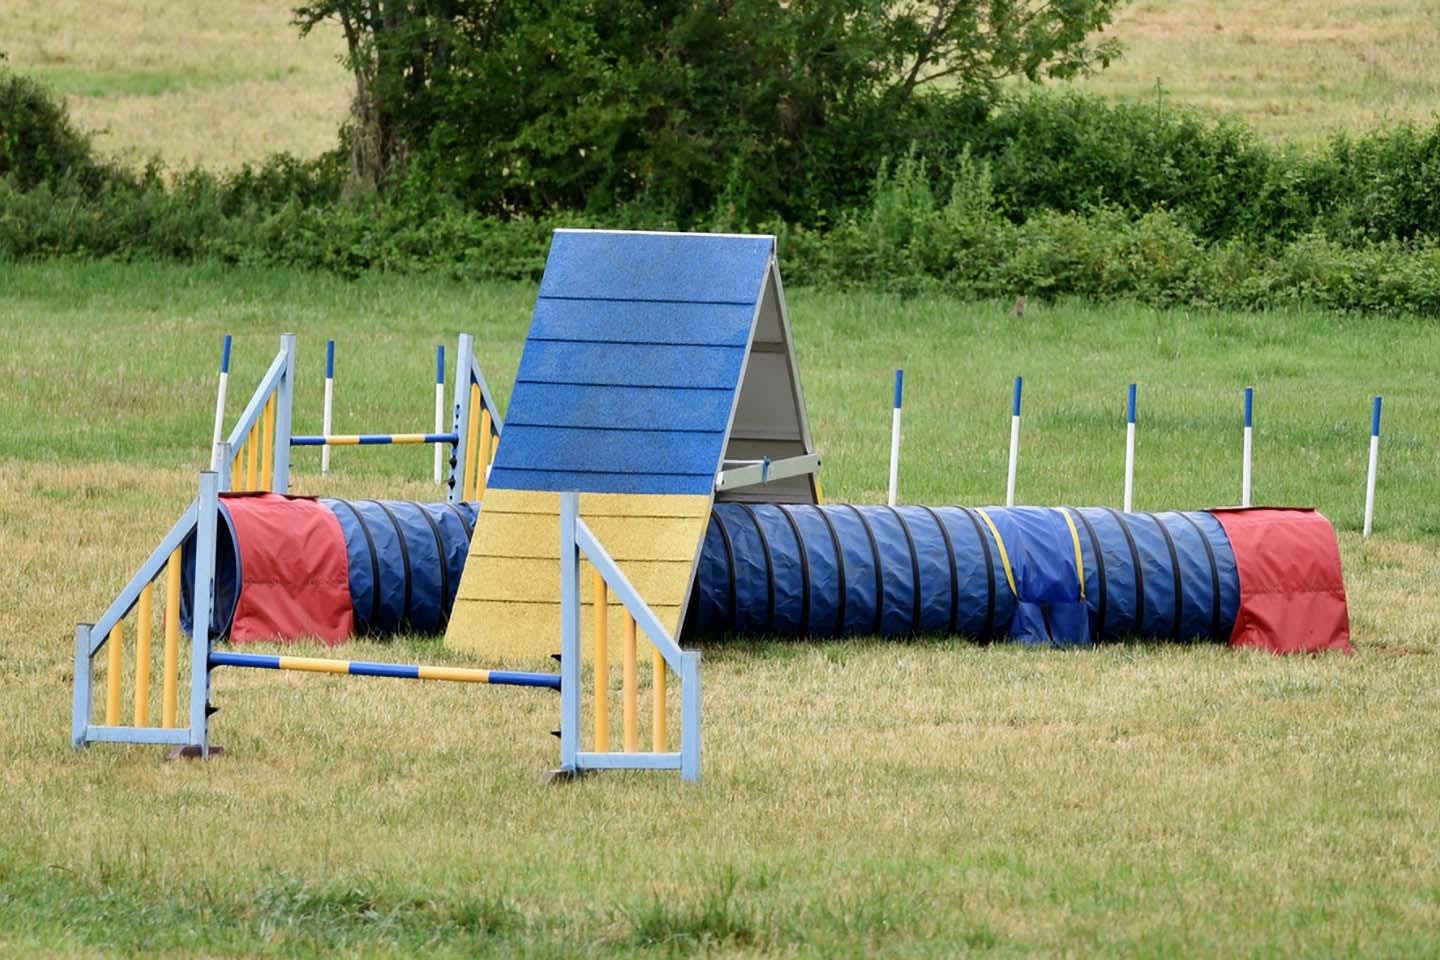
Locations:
{"points": [[917, 799]]}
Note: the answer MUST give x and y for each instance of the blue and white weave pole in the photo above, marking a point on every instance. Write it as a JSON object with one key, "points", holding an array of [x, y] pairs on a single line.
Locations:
{"points": [[1130, 450], [895, 437], [1014, 444], [1374, 463], [329, 404], [439, 406], [220, 399], [1245, 450]]}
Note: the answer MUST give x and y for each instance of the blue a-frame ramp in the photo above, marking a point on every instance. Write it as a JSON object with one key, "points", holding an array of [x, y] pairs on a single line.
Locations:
{"points": [[652, 360]]}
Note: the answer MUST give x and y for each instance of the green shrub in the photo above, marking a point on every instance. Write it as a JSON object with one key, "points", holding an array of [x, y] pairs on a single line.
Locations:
{"points": [[38, 143]]}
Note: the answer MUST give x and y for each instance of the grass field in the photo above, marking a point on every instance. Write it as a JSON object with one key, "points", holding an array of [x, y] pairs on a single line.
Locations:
{"points": [[1297, 71], [220, 84], [914, 799]]}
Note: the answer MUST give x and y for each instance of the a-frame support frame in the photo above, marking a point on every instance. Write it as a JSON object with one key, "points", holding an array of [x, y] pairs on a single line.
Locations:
{"points": [[769, 454]]}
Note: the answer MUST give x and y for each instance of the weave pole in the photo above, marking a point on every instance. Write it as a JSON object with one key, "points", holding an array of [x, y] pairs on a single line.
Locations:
{"points": [[220, 393], [1246, 447], [439, 408], [1374, 465], [1130, 450], [1014, 444], [895, 437], [329, 404]]}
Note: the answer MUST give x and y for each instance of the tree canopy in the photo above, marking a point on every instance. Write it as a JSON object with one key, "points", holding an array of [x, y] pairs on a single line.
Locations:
{"points": [[762, 107]]}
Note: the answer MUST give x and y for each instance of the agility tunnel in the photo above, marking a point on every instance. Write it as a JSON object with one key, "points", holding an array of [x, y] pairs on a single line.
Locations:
{"points": [[289, 567], [1059, 576]]}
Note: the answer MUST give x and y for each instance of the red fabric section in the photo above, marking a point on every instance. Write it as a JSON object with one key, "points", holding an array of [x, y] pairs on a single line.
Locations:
{"points": [[1292, 597], [294, 578]]}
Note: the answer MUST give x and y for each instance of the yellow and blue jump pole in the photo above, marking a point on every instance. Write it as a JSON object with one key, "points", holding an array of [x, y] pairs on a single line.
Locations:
{"points": [[1130, 450], [1246, 447], [1014, 445], [370, 439], [325, 416], [895, 437], [1374, 466], [220, 398], [439, 408], [400, 671]]}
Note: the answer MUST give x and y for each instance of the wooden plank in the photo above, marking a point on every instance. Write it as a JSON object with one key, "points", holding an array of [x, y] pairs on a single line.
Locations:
{"points": [[614, 265], [632, 364], [618, 407], [585, 450], [677, 484], [599, 504], [631, 321], [514, 563], [537, 537], [521, 633], [538, 581]]}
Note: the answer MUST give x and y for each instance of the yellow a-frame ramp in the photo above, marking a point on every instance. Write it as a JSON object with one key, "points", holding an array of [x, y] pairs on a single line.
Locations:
{"points": [[658, 374]]}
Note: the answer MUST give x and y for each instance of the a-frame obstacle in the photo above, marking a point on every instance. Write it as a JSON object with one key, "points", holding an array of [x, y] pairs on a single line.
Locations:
{"points": [[659, 375]]}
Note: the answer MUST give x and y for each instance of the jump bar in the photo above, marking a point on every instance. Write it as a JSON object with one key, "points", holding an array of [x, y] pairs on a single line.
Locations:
{"points": [[365, 439], [402, 671]]}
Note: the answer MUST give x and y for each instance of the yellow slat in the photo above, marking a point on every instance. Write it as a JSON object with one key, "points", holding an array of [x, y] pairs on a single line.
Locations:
{"points": [[628, 693], [657, 721], [171, 676], [112, 676], [144, 617], [267, 447]]}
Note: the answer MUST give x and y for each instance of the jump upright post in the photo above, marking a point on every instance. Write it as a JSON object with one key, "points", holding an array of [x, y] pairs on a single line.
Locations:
{"points": [[1014, 445], [1130, 450], [220, 392], [1374, 467], [326, 413], [1246, 447], [895, 436], [439, 409]]}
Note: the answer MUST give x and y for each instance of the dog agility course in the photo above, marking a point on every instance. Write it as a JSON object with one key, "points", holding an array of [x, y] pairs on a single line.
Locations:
{"points": [[658, 430]]}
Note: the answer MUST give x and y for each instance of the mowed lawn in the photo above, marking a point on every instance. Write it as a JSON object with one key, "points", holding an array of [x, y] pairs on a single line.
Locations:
{"points": [[925, 798]]}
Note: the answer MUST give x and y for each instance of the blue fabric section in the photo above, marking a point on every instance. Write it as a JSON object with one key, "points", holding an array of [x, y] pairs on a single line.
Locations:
{"points": [[616, 265], [601, 482], [631, 321], [227, 577], [1048, 609], [380, 606], [618, 407]]}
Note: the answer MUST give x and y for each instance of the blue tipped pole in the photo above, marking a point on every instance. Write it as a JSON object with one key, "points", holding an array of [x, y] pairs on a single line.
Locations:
{"points": [[221, 390], [325, 416], [439, 409], [1014, 444], [1245, 473], [1374, 466], [895, 437], [1130, 450]]}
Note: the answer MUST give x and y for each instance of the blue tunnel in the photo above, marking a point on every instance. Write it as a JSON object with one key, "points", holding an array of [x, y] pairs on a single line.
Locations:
{"points": [[1063, 576]]}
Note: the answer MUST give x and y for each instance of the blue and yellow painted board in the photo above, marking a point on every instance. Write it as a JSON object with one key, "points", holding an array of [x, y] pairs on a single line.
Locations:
{"points": [[508, 605], [627, 390]]}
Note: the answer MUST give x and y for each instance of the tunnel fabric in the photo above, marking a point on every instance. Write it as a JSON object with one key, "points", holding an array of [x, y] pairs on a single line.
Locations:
{"points": [[1292, 594]]}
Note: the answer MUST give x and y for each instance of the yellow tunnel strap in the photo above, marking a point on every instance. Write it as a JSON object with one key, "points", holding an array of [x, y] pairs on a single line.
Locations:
{"points": [[1004, 556], [1075, 539]]}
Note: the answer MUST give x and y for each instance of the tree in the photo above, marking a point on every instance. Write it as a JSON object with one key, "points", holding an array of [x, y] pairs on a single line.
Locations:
{"points": [[768, 106]]}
